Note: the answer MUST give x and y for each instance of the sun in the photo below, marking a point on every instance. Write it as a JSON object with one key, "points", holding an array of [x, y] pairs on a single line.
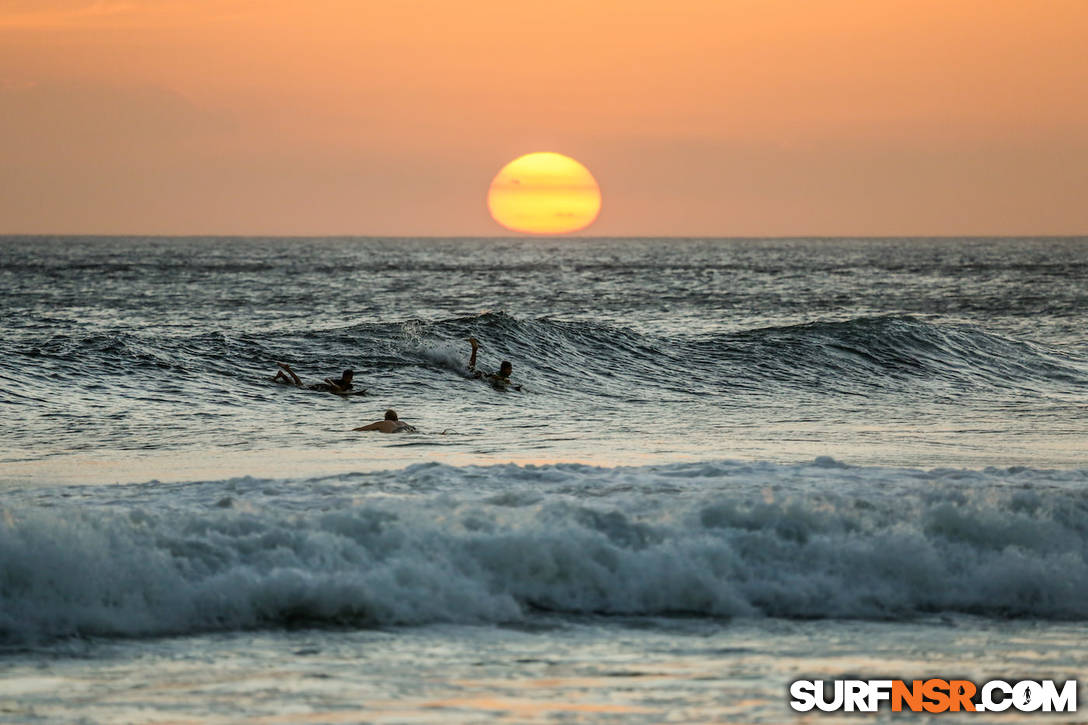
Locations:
{"points": [[544, 193]]}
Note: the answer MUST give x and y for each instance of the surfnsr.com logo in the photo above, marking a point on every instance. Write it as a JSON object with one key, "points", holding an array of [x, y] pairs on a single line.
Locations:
{"points": [[933, 695]]}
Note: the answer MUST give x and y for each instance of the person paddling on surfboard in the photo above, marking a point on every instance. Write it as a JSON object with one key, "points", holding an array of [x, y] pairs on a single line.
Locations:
{"points": [[391, 424], [499, 380], [340, 386]]}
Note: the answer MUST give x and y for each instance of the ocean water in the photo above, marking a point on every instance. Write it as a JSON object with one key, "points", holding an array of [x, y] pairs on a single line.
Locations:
{"points": [[731, 464]]}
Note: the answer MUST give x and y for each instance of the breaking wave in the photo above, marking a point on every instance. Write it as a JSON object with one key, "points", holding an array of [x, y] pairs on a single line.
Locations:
{"points": [[435, 543], [858, 356]]}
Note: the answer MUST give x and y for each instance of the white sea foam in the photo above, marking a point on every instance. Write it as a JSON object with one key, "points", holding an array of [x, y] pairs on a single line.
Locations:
{"points": [[497, 544]]}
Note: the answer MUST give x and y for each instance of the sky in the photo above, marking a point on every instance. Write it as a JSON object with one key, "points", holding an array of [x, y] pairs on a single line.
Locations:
{"points": [[697, 117]]}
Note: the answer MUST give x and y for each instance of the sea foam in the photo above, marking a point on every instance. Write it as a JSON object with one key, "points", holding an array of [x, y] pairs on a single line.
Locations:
{"points": [[505, 543]]}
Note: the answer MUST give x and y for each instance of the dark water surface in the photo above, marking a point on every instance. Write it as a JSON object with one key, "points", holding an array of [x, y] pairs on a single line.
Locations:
{"points": [[143, 353], [733, 463]]}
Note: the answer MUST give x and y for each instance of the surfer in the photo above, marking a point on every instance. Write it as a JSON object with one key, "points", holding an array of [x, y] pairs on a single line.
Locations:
{"points": [[499, 380], [340, 386], [391, 424]]}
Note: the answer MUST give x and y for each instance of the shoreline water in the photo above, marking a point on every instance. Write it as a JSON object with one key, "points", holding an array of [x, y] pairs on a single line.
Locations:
{"points": [[633, 671], [939, 449]]}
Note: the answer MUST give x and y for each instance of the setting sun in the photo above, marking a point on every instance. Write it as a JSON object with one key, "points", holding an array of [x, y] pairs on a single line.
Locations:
{"points": [[544, 193]]}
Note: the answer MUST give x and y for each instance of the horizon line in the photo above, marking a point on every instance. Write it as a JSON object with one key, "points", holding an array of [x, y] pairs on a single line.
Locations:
{"points": [[527, 237]]}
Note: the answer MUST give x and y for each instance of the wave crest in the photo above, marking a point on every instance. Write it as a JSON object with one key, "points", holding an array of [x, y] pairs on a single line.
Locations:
{"points": [[782, 541], [862, 356]]}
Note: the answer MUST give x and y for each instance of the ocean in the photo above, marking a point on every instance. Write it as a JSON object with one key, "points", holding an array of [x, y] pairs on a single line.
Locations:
{"points": [[731, 464]]}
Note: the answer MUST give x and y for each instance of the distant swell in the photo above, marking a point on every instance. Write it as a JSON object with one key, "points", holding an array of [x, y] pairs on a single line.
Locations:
{"points": [[503, 543]]}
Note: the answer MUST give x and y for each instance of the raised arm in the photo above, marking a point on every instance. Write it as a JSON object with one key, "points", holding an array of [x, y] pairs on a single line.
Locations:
{"points": [[475, 346], [372, 426], [287, 368], [336, 387]]}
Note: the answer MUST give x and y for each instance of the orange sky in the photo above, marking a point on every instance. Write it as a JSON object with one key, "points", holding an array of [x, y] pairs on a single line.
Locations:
{"points": [[700, 117]]}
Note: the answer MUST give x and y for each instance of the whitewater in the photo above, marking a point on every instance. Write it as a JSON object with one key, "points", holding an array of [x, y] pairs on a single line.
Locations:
{"points": [[732, 463]]}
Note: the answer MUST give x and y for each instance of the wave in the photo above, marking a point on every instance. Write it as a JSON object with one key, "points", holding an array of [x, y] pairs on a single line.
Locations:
{"points": [[861, 356], [434, 543]]}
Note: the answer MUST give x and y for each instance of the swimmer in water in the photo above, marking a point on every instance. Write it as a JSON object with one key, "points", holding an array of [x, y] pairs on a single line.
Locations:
{"points": [[391, 424], [341, 385], [499, 380]]}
